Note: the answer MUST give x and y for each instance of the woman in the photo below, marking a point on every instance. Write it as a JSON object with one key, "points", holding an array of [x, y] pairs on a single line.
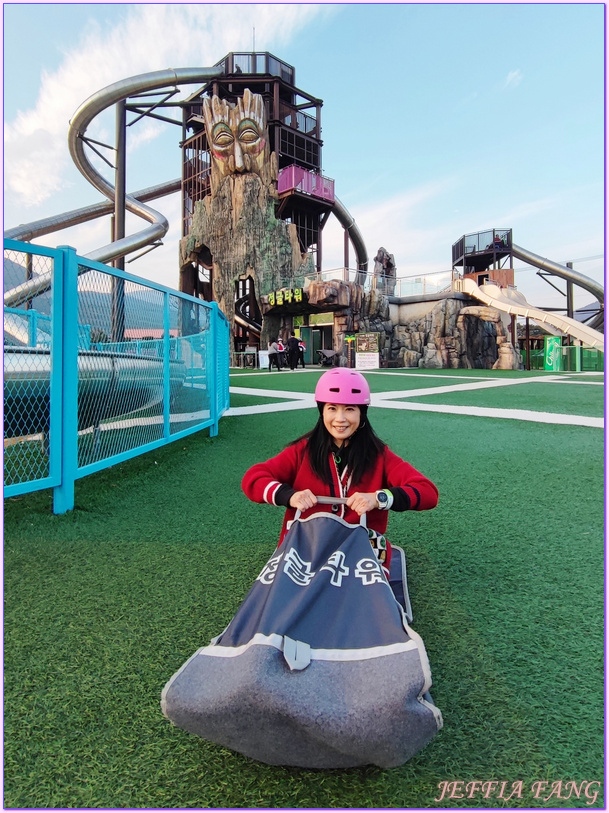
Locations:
{"points": [[342, 457], [274, 356]]}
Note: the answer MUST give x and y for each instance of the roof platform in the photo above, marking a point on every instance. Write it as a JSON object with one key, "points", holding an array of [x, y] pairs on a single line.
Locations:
{"points": [[482, 250]]}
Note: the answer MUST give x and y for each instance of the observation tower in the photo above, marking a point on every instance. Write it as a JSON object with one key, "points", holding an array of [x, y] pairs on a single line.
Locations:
{"points": [[305, 197]]}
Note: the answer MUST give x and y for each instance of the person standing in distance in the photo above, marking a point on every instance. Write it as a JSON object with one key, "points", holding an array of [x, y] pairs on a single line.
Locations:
{"points": [[301, 351], [293, 350], [274, 355]]}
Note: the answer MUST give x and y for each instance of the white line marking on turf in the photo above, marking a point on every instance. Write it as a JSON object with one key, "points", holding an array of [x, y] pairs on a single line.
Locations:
{"points": [[430, 375], [586, 383], [474, 385], [302, 396], [510, 414], [285, 406]]}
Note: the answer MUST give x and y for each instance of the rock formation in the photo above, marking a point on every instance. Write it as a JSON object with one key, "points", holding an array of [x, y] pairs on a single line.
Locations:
{"points": [[484, 337], [385, 272], [451, 334]]}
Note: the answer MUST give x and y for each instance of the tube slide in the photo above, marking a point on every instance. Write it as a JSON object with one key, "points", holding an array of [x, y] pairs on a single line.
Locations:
{"points": [[347, 221], [94, 105], [27, 232], [567, 273], [513, 302], [134, 202], [242, 316], [122, 90], [109, 385], [37, 228]]}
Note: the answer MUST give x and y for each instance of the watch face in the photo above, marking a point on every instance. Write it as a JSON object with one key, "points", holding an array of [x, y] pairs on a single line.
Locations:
{"points": [[381, 497]]}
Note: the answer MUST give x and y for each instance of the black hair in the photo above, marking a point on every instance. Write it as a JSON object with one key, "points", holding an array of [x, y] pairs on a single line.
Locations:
{"points": [[360, 452]]}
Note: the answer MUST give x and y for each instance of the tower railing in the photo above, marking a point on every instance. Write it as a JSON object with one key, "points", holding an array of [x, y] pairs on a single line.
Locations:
{"points": [[416, 285], [298, 120], [257, 62], [299, 179]]}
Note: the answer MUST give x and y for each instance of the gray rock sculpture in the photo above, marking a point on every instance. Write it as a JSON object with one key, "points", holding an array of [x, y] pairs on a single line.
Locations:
{"points": [[385, 272]]}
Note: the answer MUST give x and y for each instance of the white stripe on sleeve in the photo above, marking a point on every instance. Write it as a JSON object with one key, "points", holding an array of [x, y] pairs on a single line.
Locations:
{"points": [[270, 491]]}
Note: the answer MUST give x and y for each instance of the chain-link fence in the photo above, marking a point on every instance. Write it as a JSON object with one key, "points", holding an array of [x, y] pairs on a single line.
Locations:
{"points": [[31, 355], [100, 366]]}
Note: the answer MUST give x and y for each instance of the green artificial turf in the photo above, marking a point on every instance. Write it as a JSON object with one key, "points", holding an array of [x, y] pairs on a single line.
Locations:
{"points": [[104, 604], [579, 399], [380, 381], [284, 380], [239, 400]]}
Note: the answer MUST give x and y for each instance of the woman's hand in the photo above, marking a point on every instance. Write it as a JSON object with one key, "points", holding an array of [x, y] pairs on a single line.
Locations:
{"points": [[303, 500], [362, 503]]}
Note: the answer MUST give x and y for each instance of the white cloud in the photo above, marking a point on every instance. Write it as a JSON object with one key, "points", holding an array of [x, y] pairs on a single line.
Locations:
{"points": [[149, 37], [513, 79], [394, 223], [143, 135]]}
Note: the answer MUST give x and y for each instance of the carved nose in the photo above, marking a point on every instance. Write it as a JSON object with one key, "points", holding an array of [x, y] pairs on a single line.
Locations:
{"points": [[239, 164]]}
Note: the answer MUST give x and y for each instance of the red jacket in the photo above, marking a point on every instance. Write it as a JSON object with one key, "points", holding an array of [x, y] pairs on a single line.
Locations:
{"points": [[292, 467]]}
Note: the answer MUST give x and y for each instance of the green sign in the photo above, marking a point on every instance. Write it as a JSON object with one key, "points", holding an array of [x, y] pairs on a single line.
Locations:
{"points": [[552, 353], [367, 342], [286, 296]]}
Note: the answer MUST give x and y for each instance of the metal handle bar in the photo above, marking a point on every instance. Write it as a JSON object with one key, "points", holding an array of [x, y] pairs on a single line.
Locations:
{"points": [[331, 500]]}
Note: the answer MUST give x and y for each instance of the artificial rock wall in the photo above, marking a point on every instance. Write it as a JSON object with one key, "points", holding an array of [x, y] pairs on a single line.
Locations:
{"points": [[447, 333]]}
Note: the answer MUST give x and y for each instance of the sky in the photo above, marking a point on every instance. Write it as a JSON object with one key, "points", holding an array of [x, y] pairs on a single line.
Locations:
{"points": [[438, 120]]}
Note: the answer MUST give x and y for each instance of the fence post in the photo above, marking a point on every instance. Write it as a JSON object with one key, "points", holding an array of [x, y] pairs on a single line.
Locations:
{"points": [[63, 495], [56, 371], [166, 368], [212, 375]]}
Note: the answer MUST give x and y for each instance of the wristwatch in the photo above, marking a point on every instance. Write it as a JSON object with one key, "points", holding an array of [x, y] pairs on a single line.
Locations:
{"points": [[382, 500]]}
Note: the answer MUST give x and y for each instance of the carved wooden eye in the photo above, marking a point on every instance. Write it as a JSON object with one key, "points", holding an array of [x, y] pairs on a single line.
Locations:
{"points": [[248, 132], [222, 135]]}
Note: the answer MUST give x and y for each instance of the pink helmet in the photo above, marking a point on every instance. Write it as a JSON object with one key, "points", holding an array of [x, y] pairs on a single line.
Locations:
{"points": [[342, 386]]}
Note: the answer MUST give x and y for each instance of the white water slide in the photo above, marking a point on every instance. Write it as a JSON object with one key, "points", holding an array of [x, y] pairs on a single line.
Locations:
{"points": [[511, 301]]}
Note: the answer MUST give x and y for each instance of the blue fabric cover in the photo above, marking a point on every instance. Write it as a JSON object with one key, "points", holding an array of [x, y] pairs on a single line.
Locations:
{"points": [[318, 668]]}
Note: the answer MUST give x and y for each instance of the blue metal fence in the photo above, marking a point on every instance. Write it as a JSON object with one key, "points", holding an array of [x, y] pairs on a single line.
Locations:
{"points": [[100, 366]]}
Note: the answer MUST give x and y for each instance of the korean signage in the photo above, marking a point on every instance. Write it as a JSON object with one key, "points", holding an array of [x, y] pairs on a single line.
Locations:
{"points": [[286, 296], [367, 570], [367, 351], [367, 361]]}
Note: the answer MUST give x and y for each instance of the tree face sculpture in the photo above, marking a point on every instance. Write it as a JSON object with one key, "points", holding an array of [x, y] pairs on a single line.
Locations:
{"points": [[234, 228], [237, 136]]}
